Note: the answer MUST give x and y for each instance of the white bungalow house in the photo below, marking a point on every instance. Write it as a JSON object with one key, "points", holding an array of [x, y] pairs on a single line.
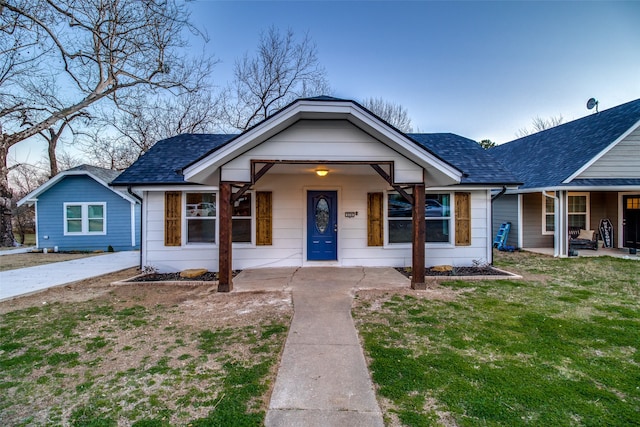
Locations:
{"points": [[322, 182], [576, 176]]}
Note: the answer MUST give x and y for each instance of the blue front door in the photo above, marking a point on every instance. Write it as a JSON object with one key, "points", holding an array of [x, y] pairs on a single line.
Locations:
{"points": [[322, 226]]}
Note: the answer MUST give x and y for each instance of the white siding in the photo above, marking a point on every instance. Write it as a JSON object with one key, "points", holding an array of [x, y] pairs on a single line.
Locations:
{"points": [[323, 140], [622, 161], [289, 229]]}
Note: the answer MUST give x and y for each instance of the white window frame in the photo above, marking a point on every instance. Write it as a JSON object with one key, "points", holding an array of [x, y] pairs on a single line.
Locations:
{"points": [[251, 217], [449, 218], [84, 218], [185, 226], [587, 208], [546, 232], [185, 222]]}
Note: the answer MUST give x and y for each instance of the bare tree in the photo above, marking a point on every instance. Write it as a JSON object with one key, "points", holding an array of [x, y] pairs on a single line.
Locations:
{"points": [[539, 124], [52, 136], [126, 135], [24, 179], [60, 57], [394, 114], [282, 70]]}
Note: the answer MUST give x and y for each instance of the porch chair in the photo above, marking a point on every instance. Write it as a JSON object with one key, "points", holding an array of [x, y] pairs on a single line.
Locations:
{"points": [[582, 239]]}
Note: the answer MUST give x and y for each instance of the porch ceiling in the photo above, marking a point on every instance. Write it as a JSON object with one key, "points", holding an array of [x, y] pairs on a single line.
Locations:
{"points": [[333, 168]]}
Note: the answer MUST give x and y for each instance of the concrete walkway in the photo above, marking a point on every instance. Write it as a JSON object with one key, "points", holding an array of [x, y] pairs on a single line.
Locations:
{"points": [[323, 378], [18, 250], [32, 279]]}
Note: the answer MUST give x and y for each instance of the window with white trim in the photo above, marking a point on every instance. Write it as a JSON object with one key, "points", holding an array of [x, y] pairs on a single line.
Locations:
{"points": [[201, 214], [548, 214], [578, 210], [85, 218], [241, 214], [437, 218]]}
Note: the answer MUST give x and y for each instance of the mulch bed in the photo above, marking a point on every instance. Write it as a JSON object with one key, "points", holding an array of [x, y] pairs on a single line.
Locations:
{"points": [[209, 276], [458, 271], [175, 277]]}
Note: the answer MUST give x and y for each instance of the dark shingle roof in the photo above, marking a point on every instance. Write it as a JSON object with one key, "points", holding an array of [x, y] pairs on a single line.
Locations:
{"points": [[478, 166], [604, 182], [547, 158], [162, 164], [105, 175]]}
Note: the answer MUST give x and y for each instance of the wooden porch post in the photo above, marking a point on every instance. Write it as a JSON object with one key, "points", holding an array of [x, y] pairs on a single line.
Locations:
{"points": [[418, 252], [225, 277]]}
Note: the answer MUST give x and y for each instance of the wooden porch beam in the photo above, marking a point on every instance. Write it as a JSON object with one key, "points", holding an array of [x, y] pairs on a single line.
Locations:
{"points": [[225, 271], [257, 175], [387, 178], [418, 233], [235, 196]]}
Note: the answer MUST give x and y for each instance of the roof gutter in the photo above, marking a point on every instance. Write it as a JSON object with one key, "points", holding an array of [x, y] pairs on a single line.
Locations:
{"points": [[504, 190]]}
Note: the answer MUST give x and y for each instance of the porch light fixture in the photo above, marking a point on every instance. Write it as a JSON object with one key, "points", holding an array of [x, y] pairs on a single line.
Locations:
{"points": [[322, 172]]}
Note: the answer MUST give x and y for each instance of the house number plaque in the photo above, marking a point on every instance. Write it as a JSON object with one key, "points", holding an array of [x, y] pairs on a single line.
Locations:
{"points": [[350, 214]]}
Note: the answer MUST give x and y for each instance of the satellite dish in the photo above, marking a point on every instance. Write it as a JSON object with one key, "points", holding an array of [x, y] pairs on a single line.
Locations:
{"points": [[592, 102]]}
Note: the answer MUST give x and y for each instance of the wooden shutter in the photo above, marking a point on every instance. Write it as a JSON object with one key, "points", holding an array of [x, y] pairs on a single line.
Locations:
{"points": [[264, 221], [375, 216], [172, 218], [463, 219]]}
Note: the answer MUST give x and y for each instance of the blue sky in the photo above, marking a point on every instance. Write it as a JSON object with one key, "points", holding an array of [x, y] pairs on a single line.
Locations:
{"points": [[478, 69]]}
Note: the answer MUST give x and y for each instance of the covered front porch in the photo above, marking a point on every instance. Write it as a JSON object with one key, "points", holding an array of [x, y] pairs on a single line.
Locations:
{"points": [[553, 220], [331, 164]]}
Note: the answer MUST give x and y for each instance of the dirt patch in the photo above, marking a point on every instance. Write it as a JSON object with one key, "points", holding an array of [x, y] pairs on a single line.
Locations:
{"points": [[168, 346]]}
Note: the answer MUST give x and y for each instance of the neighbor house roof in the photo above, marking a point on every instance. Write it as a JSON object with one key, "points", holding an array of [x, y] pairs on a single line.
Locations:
{"points": [[549, 158], [100, 175], [104, 175]]}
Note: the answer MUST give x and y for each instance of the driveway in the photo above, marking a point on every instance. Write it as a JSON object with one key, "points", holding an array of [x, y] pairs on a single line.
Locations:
{"points": [[23, 281]]}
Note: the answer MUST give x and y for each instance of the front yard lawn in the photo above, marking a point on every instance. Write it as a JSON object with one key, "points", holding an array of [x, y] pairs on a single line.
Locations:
{"points": [[89, 354], [559, 348]]}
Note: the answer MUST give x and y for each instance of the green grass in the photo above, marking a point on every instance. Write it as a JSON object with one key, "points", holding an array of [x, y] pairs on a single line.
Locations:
{"points": [[561, 348], [94, 364]]}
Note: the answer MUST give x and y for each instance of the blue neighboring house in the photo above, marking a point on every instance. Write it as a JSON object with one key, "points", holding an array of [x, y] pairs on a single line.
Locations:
{"points": [[574, 176], [77, 211]]}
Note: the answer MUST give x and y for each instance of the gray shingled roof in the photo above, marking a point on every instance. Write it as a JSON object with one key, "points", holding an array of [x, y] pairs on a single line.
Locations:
{"points": [[163, 163], [105, 175], [478, 166], [545, 159]]}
